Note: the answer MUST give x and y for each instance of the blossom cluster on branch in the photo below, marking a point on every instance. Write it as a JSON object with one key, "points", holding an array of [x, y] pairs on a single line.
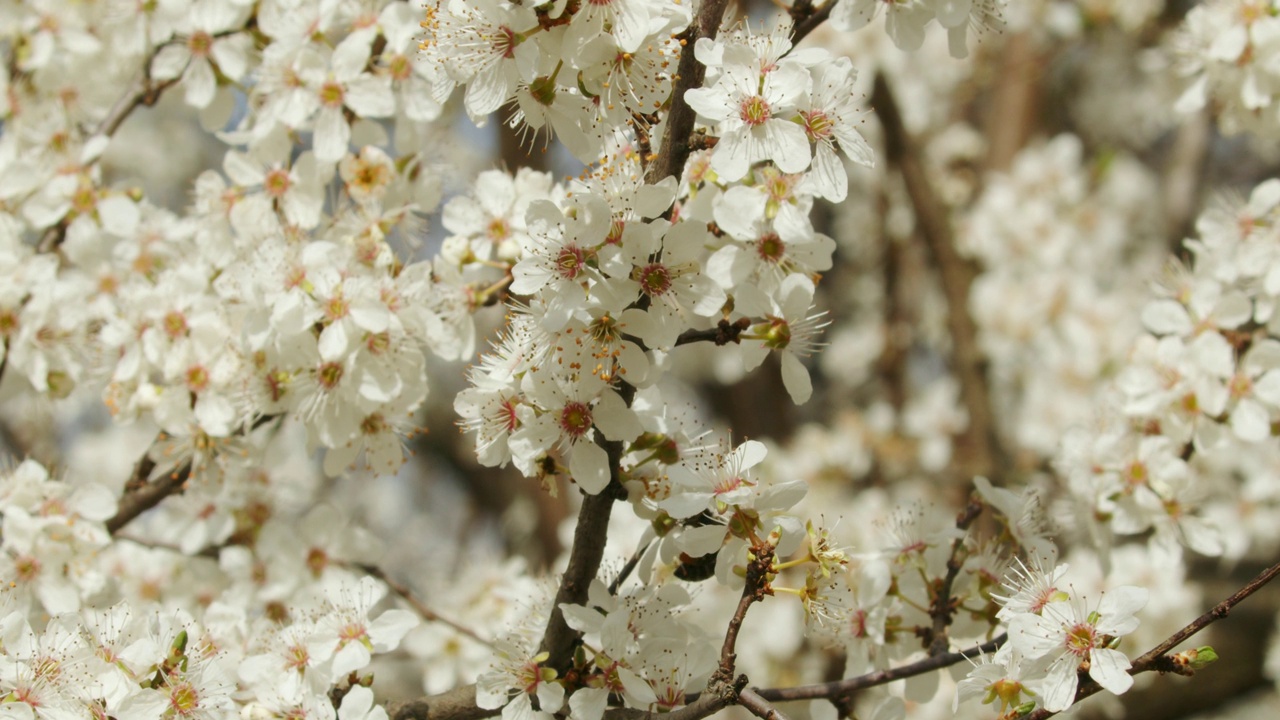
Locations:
{"points": [[214, 402]]}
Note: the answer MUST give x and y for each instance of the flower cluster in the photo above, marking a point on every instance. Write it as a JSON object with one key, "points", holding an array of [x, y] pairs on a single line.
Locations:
{"points": [[264, 314], [1054, 634], [1227, 49], [139, 658]]}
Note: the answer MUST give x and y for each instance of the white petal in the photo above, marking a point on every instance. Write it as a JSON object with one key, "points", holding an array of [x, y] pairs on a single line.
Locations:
{"points": [[1109, 668], [1250, 421], [332, 135], [589, 467], [1166, 317], [615, 419], [200, 83]]}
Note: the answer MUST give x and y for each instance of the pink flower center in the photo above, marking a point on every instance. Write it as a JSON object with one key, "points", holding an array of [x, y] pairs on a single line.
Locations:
{"points": [[1240, 385], [352, 631], [336, 308], [755, 110], [498, 230], [655, 279], [510, 421], [276, 183], [505, 42], [859, 623], [200, 43], [331, 94], [183, 698], [197, 378], [1081, 639], [817, 125], [615, 232], [175, 324], [400, 68], [329, 375], [570, 261], [575, 419], [771, 248], [727, 485]]}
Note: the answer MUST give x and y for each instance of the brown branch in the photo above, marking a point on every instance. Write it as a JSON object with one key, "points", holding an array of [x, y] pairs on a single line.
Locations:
{"points": [[1184, 172], [456, 704], [942, 610], [143, 92], [708, 703], [1155, 659], [407, 594], [980, 440], [689, 75], [839, 688], [1013, 105], [723, 333], [806, 19], [141, 495], [753, 591], [751, 700], [628, 568], [584, 563]]}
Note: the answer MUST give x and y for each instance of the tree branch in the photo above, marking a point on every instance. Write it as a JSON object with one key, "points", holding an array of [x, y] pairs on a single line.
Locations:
{"points": [[981, 438], [805, 19], [1183, 174], [723, 333], [708, 703], [144, 91], [584, 563], [689, 74], [753, 591], [751, 700], [838, 688], [456, 704], [141, 493], [942, 610]]}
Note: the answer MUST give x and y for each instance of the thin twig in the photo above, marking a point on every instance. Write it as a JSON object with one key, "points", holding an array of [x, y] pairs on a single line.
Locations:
{"points": [[806, 19], [723, 333], [407, 594], [942, 610], [628, 568], [751, 700], [707, 704], [141, 493], [753, 591], [143, 92], [880, 677], [1154, 659], [956, 274]]}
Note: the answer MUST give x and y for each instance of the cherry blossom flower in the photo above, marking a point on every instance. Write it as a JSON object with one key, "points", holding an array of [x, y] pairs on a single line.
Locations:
{"points": [[206, 42], [1067, 634], [787, 327], [752, 112]]}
